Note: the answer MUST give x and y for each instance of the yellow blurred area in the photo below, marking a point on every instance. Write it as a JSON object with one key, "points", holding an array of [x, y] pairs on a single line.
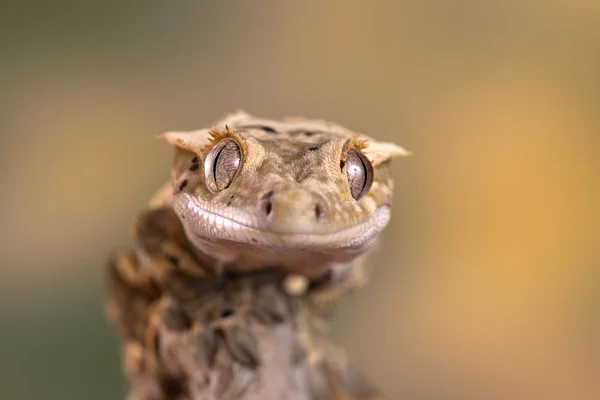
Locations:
{"points": [[488, 283]]}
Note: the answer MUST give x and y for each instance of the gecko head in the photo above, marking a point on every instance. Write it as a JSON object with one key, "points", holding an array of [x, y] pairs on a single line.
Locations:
{"points": [[259, 191]]}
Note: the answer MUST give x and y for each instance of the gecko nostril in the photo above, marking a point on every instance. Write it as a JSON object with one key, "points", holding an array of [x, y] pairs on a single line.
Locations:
{"points": [[318, 211], [268, 207]]}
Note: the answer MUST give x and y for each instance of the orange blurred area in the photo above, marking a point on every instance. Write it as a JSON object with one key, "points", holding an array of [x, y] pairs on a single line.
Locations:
{"points": [[488, 282]]}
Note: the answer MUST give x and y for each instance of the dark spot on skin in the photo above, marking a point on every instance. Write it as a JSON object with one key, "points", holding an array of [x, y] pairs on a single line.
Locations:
{"points": [[183, 184], [254, 240], [310, 133], [267, 195], [172, 259], [265, 128], [313, 148], [321, 281], [173, 387], [227, 312], [195, 164], [174, 319], [228, 203], [268, 129], [232, 196]]}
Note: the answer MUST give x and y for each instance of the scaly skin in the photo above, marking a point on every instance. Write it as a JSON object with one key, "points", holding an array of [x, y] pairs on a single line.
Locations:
{"points": [[282, 234]]}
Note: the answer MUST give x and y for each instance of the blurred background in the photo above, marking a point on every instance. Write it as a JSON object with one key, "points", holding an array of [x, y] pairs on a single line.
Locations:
{"points": [[488, 285]]}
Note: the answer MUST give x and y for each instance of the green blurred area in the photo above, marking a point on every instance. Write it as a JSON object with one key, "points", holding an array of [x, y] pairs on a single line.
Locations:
{"points": [[488, 283]]}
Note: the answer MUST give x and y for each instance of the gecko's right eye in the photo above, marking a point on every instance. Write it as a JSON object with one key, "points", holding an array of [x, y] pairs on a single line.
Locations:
{"points": [[360, 173], [222, 164]]}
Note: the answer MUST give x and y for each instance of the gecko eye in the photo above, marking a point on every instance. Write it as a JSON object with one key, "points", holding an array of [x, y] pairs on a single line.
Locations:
{"points": [[360, 173], [222, 164]]}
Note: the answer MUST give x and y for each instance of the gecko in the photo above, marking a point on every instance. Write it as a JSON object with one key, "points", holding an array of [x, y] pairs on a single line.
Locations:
{"points": [[259, 217]]}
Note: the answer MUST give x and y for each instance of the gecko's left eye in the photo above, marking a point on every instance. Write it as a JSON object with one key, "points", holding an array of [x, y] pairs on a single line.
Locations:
{"points": [[360, 173], [222, 164]]}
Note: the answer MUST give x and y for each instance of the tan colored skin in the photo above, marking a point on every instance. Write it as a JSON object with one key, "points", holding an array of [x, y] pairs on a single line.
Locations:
{"points": [[301, 164], [314, 227]]}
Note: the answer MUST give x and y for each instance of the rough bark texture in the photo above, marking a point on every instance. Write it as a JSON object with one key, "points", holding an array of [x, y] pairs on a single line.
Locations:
{"points": [[228, 339], [241, 344], [275, 378]]}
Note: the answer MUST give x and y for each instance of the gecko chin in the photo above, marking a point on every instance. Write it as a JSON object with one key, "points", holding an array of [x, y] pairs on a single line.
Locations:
{"points": [[244, 240]]}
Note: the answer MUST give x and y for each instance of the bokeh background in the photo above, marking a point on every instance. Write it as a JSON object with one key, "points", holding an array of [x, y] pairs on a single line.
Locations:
{"points": [[488, 286]]}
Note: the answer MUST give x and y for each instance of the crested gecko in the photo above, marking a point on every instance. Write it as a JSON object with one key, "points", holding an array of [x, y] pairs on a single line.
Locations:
{"points": [[250, 199]]}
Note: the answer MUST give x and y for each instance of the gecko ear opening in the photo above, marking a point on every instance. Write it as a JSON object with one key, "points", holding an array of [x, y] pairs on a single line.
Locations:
{"points": [[194, 141], [380, 152]]}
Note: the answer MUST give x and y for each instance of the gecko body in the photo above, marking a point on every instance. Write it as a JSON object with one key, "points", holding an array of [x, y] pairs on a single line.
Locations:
{"points": [[286, 210]]}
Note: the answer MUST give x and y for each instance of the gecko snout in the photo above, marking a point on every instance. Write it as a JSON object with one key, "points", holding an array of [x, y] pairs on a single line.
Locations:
{"points": [[292, 210]]}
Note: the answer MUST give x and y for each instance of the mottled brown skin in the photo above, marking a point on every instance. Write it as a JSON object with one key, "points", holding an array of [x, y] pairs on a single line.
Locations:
{"points": [[291, 211]]}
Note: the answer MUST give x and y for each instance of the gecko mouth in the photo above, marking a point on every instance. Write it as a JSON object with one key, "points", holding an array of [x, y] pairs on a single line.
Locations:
{"points": [[208, 225]]}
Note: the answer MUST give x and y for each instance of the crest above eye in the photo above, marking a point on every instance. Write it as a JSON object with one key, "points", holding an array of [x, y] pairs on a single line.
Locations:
{"points": [[381, 152], [221, 165], [360, 173]]}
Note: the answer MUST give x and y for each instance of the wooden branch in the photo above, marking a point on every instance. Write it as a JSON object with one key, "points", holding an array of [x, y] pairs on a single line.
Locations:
{"points": [[276, 377], [229, 338]]}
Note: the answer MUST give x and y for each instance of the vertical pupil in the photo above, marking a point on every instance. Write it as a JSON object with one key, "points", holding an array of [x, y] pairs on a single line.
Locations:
{"points": [[362, 172], [358, 174], [221, 164], [225, 165], [215, 166]]}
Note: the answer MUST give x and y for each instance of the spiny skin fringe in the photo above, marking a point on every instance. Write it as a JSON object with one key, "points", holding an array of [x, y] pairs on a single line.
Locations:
{"points": [[359, 143], [216, 135], [355, 142]]}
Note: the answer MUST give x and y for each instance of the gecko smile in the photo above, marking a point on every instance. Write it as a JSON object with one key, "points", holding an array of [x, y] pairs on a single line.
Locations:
{"points": [[245, 228]]}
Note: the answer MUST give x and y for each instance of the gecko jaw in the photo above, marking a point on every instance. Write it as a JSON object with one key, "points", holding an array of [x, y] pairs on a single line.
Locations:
{"points": [[207, 225]]}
